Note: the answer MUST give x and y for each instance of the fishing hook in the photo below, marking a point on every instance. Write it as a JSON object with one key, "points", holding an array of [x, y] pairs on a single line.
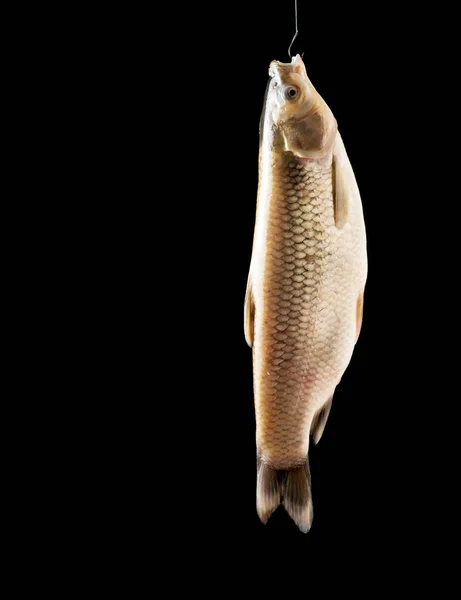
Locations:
{"points": [[296, 25]]}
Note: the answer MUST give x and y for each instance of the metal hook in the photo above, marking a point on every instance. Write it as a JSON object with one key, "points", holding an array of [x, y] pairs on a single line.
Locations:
{"points": [[296, 25]]}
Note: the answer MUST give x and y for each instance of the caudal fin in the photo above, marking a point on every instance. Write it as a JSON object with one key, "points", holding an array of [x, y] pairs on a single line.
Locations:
{"points": [[291, 487], [268, 490], [298, 498]]}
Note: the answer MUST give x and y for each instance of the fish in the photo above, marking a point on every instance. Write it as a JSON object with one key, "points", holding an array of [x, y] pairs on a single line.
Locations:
{"points": [[305, 292]]}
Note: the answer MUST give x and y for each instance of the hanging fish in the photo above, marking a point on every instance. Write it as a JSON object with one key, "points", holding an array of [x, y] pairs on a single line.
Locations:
{"points": [[304, 299]]}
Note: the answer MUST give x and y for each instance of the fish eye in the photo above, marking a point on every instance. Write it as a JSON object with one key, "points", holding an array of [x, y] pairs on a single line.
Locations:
{"points": [[291, 93]]}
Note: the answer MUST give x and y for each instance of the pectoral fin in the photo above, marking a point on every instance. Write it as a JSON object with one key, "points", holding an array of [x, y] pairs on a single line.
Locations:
{"points": [[249, 313], [344, 184]]}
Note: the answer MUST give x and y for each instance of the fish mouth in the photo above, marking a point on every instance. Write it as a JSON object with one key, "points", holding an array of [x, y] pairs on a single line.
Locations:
{"points": [[278, 67]]}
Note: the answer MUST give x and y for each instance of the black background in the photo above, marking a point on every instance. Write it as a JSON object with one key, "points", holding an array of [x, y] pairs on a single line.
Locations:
{"points": [[184, 454], [141, 122]]}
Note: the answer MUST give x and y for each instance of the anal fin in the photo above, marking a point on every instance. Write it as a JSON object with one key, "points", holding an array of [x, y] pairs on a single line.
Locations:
{"points": [[320, 420]]}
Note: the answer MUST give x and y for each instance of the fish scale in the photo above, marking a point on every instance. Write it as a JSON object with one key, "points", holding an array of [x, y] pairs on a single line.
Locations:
{"points": [[282, 403]]}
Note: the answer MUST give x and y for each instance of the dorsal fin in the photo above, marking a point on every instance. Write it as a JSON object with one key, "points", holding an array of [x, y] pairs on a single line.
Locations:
{"points": [[249, 313]]}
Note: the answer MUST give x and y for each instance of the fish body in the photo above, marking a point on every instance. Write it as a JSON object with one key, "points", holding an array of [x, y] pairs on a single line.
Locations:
{"points": [[304, 301]]}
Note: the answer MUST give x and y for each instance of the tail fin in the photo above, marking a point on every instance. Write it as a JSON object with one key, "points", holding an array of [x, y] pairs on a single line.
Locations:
{"points": [[295, 486], [298, 498], [268, 490]]}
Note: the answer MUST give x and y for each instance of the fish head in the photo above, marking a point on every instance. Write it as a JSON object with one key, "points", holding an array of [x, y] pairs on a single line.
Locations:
{"points": [[300, 120]]}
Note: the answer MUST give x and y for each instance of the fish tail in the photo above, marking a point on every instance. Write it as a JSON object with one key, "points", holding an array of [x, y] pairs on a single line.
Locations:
{"points": [[268, 490], [297, 498], [291, 487]]}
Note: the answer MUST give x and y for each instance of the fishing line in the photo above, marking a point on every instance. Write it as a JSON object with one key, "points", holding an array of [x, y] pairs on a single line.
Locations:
{"points": [[296, 26]]}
